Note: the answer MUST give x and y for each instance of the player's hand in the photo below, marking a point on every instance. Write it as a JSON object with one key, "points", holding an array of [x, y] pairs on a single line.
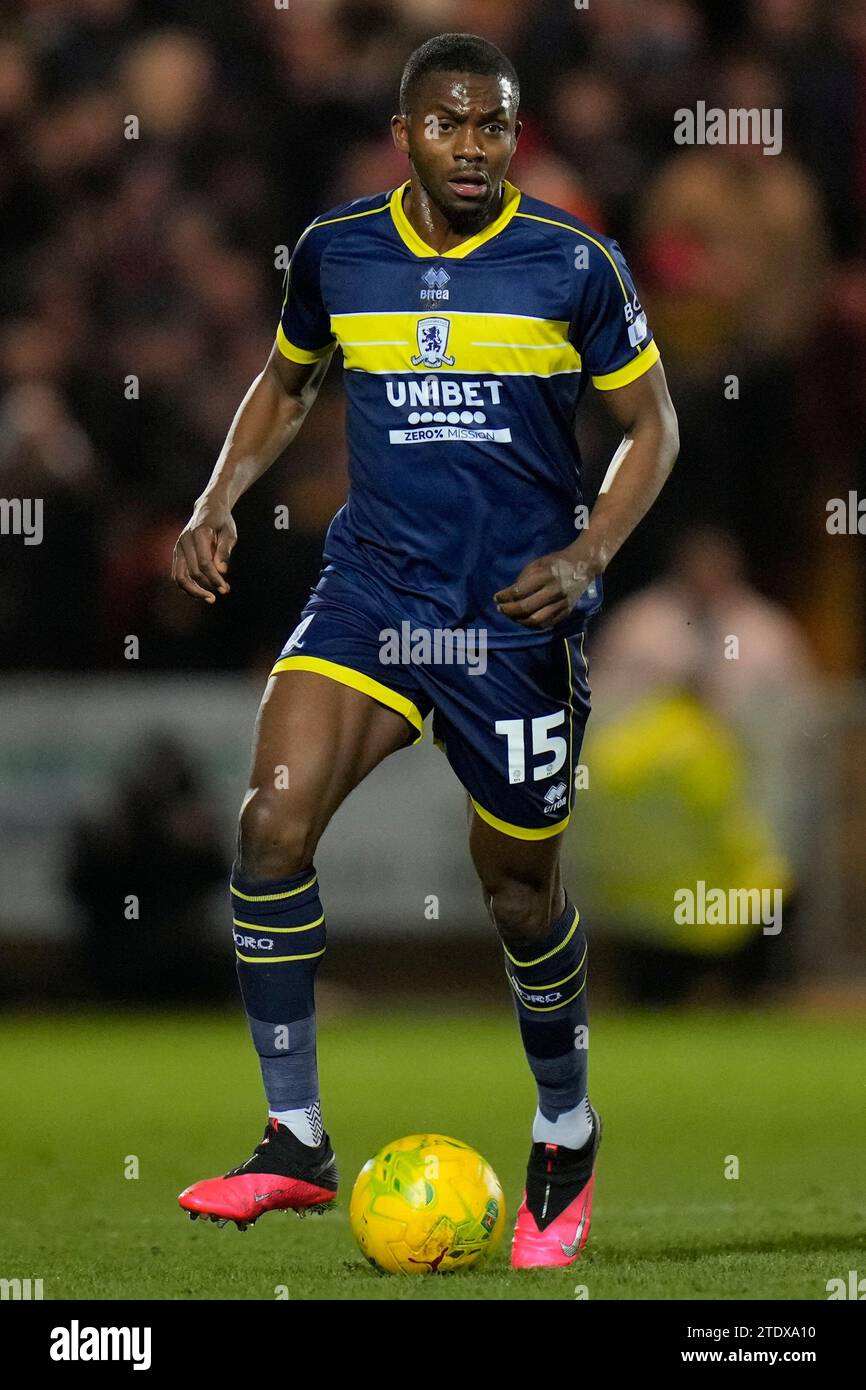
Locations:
{"points": [[202, 553], [545, 591]]}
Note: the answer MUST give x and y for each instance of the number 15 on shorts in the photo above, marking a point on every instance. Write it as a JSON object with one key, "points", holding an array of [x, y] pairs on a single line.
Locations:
{"points": [[544, 744]]}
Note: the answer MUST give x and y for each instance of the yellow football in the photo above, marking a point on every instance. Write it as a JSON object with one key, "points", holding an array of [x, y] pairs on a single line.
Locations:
{"points": [[426, 1204]]}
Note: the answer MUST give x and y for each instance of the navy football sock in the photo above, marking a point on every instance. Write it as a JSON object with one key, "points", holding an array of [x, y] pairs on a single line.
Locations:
{"points": [[548, 979], [279, 935]]}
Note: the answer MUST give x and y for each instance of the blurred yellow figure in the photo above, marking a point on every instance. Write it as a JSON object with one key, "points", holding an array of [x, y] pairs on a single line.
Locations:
{"points": [[669, 812]]}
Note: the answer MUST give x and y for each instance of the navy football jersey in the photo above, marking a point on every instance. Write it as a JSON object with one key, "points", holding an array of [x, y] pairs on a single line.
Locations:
{"points": [[463, 372]]}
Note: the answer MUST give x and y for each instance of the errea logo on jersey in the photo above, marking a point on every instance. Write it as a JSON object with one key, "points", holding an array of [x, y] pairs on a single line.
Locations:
{"points": [[432, 343], [436, 278]]}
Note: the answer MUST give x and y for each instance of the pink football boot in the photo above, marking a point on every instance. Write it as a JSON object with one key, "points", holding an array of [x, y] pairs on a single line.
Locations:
{"points": [[553, 1221], [282, 1175]]}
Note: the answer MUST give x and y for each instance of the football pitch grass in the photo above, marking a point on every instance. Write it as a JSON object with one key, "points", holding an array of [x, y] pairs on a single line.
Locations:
{"points": [[87, 1097]]}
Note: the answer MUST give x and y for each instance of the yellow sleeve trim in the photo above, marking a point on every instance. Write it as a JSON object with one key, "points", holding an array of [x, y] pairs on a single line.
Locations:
{"points": [[357, 681], [520, 832], [630, 372], [302, 355]]}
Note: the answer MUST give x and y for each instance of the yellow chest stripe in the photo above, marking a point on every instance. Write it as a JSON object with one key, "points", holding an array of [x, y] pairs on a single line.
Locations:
{"points": [[505, 344]]}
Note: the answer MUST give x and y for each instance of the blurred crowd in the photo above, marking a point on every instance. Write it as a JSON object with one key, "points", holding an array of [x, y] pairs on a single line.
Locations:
{"points": [[156, 154]]}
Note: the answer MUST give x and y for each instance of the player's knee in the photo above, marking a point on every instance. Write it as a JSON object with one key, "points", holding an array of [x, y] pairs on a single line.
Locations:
{"points": [[521, 911], [275, 838]]}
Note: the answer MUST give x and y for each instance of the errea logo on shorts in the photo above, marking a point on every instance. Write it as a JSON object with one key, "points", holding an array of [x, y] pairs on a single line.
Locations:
{"points": [[554, 798]]}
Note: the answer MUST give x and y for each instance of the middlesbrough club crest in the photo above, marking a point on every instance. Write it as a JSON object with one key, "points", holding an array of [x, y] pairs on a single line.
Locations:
{"points": [[432, 342]]}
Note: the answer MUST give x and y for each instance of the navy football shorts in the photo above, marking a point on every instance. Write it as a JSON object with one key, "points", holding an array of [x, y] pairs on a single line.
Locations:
{"points": [[510, 720]]}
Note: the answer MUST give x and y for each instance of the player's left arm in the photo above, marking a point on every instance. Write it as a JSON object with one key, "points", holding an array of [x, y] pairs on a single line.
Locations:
{"points": [[547, 589], [609, 330]]}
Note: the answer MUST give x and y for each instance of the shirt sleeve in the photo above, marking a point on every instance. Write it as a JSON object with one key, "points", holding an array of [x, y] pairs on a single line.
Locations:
{"points": [[304, 331], [609, 327]]}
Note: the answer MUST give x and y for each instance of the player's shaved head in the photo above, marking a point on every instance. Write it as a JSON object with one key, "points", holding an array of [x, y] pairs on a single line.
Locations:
{"points": [[464, 53]]}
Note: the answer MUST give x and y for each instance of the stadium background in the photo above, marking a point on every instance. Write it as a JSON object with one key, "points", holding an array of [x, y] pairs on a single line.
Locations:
{"points": [[139, 291]]}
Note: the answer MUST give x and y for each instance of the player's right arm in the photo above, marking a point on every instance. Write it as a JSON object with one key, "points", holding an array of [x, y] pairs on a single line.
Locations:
{"points": [[267, 421]]}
